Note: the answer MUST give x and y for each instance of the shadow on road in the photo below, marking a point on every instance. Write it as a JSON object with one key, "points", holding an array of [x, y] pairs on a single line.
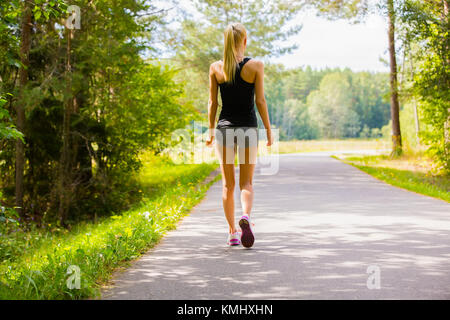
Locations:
{"points": [[319, 225]]}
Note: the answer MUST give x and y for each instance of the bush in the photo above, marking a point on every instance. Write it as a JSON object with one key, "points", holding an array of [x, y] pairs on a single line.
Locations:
{"points": [[35, 262]]}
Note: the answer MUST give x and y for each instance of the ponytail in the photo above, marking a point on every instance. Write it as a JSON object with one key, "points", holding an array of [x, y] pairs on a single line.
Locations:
{"points": [[233, 36]]}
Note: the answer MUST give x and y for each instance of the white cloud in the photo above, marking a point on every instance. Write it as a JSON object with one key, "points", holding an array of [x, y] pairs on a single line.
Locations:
{"points": [[323, 43]]}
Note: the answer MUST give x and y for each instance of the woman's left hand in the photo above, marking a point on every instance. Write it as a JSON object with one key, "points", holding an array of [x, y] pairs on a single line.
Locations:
{"points": [[210, 141]]}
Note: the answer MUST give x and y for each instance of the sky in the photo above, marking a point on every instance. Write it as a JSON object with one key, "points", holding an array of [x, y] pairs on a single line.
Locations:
{"points": [[323, 43]]}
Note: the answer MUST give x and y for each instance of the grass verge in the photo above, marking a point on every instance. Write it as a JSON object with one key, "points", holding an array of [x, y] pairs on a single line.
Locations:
{"points": [[332, 145], [410, 172], [52, 260]]}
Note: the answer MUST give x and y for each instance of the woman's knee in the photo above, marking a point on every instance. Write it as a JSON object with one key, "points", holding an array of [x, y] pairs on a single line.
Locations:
{"points": [[246, 185], [228, 187]]}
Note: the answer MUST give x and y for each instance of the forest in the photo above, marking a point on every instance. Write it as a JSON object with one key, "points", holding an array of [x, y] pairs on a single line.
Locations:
{"points": [[329, 104], [86, 95], [78, 105]]}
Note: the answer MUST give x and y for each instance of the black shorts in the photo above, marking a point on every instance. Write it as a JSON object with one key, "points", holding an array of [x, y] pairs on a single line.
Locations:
{"points": [[243, 137]]}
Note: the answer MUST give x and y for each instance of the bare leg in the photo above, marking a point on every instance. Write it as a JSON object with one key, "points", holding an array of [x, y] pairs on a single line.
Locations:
{"points": [[228, 184], [247, 168], [246, 186]]}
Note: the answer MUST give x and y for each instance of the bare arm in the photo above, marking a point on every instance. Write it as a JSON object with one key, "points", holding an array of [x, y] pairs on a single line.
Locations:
{"points": [[212, 104], [261, 103]]}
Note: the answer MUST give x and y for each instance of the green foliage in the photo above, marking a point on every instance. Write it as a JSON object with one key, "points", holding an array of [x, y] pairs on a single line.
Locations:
{"points": [[264, 20], [354, 10], [286, 101], [9, 61], [330, 108], [427, 40], [34, 264], [330, 103], [437, 186], [370, 98], [301, 81], [296, 121], [44, 10], [121, 105], [8, 218], [367, 132], [7, 129], [407, 122], [9, 14]]}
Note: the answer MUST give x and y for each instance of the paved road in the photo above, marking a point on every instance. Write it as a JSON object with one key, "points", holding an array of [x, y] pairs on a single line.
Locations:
{"points": [[319, 225]]}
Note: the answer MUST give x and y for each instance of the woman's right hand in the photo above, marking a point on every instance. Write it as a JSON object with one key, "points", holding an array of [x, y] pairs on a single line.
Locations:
{"points": [[269, 137]]}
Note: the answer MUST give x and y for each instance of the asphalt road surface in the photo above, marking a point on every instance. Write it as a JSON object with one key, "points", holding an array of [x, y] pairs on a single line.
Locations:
{"points": [[324, 230]]}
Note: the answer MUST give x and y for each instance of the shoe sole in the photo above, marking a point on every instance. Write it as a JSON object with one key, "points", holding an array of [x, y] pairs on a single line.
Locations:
{"points": [[247, 238]]}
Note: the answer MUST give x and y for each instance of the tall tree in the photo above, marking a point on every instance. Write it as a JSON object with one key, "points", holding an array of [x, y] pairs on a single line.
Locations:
{"points": [[427, 40], [25, 44], [356, 10], [65, 168], [395, 115]]}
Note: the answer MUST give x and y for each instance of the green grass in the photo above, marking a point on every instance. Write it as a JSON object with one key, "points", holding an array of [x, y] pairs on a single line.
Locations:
{"points": [[408, 172], [40, 271], [295, 146]]}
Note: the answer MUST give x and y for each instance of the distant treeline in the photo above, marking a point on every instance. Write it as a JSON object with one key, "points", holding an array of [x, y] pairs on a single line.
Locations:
{"points": [[331, 103]]}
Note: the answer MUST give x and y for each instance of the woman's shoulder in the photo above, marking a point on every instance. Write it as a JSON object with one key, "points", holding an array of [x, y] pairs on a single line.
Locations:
{"points": [[251, 61], [255, 63], [216, 67], [216, 64]]}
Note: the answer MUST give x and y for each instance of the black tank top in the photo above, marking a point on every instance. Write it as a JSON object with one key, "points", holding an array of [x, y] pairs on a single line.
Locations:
{"points": [[238, 102]]}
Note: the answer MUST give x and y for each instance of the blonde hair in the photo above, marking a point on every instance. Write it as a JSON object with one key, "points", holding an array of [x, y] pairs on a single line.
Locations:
{"points": [[234, 35]]}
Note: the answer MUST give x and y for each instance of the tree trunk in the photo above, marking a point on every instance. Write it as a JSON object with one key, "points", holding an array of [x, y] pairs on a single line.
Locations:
{"points": [[66, 160], [416, 113], [416, 121], [446, 61], [25, 44], [396, 133]]}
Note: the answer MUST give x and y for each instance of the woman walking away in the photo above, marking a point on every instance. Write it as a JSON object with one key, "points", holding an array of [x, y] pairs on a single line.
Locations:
{"points": [[241, 83]]}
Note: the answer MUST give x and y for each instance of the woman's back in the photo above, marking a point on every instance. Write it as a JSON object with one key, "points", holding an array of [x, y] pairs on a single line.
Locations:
{"points": [[238, 97]]}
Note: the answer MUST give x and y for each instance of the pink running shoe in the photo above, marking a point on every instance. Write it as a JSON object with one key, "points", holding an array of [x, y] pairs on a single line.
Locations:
{"points": [[247, 237], [233, 239]]}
